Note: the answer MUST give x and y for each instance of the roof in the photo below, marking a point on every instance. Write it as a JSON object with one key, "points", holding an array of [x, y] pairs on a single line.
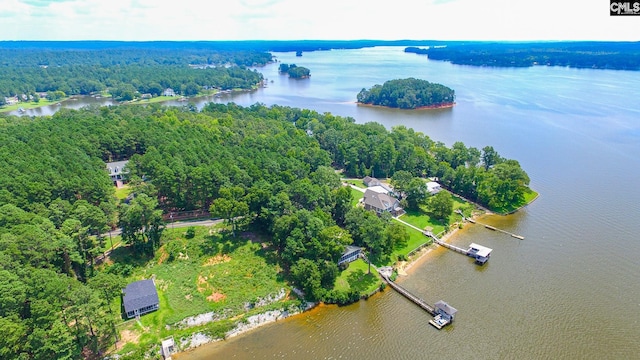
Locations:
{"points": [[116, 166], [379, 201], [140, 294], [370, 180], [351, 249], [379, 189], [446, 307], [479, 250], [432, 186]]}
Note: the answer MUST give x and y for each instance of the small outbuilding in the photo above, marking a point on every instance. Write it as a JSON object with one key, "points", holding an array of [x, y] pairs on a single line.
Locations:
{"points": [[370, 181], [139, 298], [433, 187]]}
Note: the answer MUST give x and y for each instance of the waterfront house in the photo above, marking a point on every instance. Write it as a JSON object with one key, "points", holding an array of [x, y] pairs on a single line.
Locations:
{"points": [[117, 171], [11, 100], [380, 202], [351, 253], [168, 92], [139, 298]]}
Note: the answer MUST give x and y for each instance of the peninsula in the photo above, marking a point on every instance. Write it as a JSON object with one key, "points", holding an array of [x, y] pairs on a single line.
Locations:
{"points": [[408, 93]]}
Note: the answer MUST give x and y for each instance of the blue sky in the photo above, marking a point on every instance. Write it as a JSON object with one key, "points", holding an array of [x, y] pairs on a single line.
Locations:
{"points": [[313, 19]]}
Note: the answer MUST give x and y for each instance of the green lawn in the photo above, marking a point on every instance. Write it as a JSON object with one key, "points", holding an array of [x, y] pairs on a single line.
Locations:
{"points": [[357, 277], [422, 220], [210, 272], [416, 238], [123, 192], [357, 182], [156, 99], [357, 195], [29, 105]]}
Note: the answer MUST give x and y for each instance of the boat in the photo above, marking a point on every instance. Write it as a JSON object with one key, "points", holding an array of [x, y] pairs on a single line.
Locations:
{"points": [[21, 110]]}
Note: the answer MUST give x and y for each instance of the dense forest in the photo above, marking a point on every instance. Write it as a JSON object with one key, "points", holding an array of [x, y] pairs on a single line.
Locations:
{"points": [[294, 71], [123, 82], [126, 71], [592, 55], [407, 94], [268, 168]]}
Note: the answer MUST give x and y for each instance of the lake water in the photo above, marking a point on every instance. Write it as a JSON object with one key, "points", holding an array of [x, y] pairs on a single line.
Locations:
{"points": [[571, 289]]}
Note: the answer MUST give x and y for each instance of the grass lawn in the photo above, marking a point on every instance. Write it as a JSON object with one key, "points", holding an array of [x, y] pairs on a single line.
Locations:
{"points": [[356, 277], [416, 238], [29, 105], [123, 192], [156, 99], [422, 220], [357, 182], [106, 242], [210, 272], [357, 195]]}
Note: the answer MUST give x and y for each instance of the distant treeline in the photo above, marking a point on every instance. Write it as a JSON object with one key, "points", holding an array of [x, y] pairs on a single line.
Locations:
{"points": [[208, 46], [592, 55], [126, 70], [407, 94], [123, 81]]}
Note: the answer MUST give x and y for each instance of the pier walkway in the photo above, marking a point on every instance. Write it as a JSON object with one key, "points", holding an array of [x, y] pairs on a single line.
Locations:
{"points": [[489, 226], [416, 300]]}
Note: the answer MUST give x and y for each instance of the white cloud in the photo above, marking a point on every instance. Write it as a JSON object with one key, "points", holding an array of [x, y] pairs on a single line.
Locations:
{"points": [[328, 19]]}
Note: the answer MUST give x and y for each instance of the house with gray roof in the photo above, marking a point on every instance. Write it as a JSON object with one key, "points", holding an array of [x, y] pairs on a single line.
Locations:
{"points": [[139, 298], [117, 171], [370, 181], [381, 202], [351, 253]]}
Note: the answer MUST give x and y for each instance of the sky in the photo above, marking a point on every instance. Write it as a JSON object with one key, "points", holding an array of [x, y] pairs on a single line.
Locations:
{"points": [[141, 20]]}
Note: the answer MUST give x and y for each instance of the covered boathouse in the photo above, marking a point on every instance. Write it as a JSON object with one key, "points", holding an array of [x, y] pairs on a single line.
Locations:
{"points": [[444, 314], [480, 253]]}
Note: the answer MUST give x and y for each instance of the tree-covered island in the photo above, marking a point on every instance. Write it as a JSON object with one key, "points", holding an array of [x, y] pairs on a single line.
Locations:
{"points": [[408, 93], [294, 71]]}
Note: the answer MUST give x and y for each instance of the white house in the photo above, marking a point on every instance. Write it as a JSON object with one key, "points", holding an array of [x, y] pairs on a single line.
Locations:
{"points": [[433, 187], [351, 253], [117, 170]]}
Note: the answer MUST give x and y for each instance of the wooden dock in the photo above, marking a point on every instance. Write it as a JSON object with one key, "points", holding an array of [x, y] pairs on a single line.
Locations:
{"points": [[489, 226], [416, 300], [449, 246]]}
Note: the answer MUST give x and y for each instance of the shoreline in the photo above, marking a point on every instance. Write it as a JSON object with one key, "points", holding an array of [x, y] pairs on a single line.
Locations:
{"points": [[404, 268], [198, 339], [428, 107]]}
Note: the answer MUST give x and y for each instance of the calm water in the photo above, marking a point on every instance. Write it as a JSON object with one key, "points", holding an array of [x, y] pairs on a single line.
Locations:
{"points": [[571, 289]]}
